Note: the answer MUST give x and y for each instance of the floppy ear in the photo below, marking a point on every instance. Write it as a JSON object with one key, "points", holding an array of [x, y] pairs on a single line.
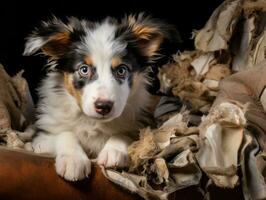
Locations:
{"points": [[150, 33], [52, 38]]}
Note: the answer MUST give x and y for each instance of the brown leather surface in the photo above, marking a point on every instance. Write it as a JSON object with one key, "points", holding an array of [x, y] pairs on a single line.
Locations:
{"points": [[27, 176]]}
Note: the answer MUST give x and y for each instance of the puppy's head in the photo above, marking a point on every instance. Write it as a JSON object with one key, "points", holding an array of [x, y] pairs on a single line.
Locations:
{"points": [[100, 62]]}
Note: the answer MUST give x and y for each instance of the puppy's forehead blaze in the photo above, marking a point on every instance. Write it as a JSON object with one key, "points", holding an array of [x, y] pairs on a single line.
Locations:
{"points": [[68, 84]]}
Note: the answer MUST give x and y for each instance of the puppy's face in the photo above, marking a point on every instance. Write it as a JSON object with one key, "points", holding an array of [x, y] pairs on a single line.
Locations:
{"points": [[100, 61]]}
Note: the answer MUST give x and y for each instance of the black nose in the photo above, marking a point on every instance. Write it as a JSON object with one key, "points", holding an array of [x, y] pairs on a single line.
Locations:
{"points": [[103, 107]]}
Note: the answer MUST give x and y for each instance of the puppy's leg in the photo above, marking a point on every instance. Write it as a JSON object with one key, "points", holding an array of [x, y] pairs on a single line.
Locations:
{"points": [[72, 163], [114, 153]]}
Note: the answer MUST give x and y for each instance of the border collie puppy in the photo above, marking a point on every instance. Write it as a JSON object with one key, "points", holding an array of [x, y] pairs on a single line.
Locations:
{"points": [[94, 98]]}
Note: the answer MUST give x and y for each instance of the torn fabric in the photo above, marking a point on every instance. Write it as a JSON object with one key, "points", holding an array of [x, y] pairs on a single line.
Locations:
{"points": [[222, 134], [16, 109], [219, 29]]}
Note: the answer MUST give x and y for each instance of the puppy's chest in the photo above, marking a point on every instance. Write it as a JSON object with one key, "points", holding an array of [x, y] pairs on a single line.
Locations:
{"points": [[92, 140], [93, 135]]}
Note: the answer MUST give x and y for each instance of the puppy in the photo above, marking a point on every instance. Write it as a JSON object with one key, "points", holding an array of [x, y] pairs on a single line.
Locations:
{"points": [[94, 98]]}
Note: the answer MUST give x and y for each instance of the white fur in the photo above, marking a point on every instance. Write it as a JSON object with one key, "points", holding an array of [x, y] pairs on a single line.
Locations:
{"points": [[72, 163], [101, 44], [102, 47], [114, 152], [33, 45], [61, 117], [73, 132]]}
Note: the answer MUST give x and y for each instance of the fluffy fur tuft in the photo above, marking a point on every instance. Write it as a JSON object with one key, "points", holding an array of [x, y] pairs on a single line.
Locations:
{"points": [[95, 99]]}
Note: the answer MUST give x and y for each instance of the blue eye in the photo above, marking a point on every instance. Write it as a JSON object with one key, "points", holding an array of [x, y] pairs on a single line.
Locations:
{"points": [[84, 70], [121, 71]]}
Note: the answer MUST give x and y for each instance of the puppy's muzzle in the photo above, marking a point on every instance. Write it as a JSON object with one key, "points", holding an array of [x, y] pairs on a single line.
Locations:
{"points": [[103, 107]]}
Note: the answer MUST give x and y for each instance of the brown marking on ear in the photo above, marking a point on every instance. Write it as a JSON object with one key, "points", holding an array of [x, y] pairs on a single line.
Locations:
{"points": [[88, 60], [149, 37], [143, 32], [68, 83], [150, 47], [57, 45], [116, 61]]}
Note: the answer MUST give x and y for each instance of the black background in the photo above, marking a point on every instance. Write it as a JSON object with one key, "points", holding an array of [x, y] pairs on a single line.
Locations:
{"points": [[18, 19]]}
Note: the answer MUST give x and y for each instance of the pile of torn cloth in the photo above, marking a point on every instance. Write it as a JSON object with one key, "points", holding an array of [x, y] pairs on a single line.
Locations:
{"points": [[239, 28], [233, 39], [194, 78], [16, 110], [228, 147], [223, 153]]}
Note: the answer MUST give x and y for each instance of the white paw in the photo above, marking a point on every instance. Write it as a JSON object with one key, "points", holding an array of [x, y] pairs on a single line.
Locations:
{"points": [[111, 157], [28, 146], [43, 144], [40, 147], [73, 167]]}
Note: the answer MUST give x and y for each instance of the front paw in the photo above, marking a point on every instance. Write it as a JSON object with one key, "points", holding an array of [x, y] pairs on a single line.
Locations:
{"points": [[73, 167], [42, 144], [111, 157]]}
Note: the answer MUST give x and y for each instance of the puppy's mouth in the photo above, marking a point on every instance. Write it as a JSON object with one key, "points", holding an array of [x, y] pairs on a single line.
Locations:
{"points": [[102, 118]]}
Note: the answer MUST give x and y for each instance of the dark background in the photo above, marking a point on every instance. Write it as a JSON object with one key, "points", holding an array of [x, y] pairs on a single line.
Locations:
{"points": [[18, 19]]}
